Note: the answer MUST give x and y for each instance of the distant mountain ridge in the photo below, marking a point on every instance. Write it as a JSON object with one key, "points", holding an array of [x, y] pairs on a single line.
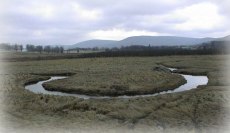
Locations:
{"points": [[162, 41], [143, 40], [226, 38], [93, 43]]}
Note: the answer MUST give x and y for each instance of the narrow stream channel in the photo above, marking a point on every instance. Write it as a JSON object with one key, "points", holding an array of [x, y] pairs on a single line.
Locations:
{"points": [[192, 82]]}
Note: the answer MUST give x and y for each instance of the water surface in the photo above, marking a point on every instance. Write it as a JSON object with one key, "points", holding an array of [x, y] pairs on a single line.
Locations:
{"points": [[192, 82]]}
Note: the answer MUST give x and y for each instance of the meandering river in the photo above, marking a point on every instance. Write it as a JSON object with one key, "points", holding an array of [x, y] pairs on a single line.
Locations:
{"points": [[192, 82]]}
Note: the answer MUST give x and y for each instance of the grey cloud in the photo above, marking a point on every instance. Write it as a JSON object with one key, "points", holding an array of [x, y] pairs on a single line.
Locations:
{"points": [[67, 27]]}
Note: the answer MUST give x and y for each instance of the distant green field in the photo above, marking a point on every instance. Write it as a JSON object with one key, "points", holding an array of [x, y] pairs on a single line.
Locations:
{"points": [[195, 110]]}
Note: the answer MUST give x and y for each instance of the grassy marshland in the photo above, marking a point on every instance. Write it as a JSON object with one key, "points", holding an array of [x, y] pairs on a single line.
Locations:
{"points": [[200, 109]]}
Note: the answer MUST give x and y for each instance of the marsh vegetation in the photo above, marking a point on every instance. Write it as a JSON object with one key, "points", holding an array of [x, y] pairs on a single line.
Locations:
{"points": [[200, 109]]}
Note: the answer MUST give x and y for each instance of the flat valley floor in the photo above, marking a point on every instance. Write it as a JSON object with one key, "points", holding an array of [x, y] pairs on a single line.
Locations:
{"points": [[203, 109]]}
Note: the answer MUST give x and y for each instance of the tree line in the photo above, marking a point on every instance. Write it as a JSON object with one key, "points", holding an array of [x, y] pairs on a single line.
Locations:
{"points": [[211, 48], [15, 47], [47, 49], [31, 48]]}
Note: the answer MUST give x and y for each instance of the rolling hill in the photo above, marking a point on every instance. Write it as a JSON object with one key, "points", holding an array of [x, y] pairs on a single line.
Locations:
{"points": [[93, 43], [161, 41], [142, 40]]}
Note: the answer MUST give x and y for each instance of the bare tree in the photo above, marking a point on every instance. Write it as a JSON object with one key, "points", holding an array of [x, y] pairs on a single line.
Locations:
{"points": [[21, 47], [16, 47]]}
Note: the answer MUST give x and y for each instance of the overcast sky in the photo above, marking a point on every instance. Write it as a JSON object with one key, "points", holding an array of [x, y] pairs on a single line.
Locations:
{"points": [[70, 21]]}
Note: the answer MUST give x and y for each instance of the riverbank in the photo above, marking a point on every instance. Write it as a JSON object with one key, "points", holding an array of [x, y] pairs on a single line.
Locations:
{"points": [[191, 83]]}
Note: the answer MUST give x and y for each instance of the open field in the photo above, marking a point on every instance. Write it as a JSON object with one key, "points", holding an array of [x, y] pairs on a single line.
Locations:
{"points": [[197, 110]]}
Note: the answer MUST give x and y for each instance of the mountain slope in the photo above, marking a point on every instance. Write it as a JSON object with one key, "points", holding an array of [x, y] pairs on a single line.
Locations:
{"points": [[94, 43], [143, 40], [226, 38], [161, 41]]}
